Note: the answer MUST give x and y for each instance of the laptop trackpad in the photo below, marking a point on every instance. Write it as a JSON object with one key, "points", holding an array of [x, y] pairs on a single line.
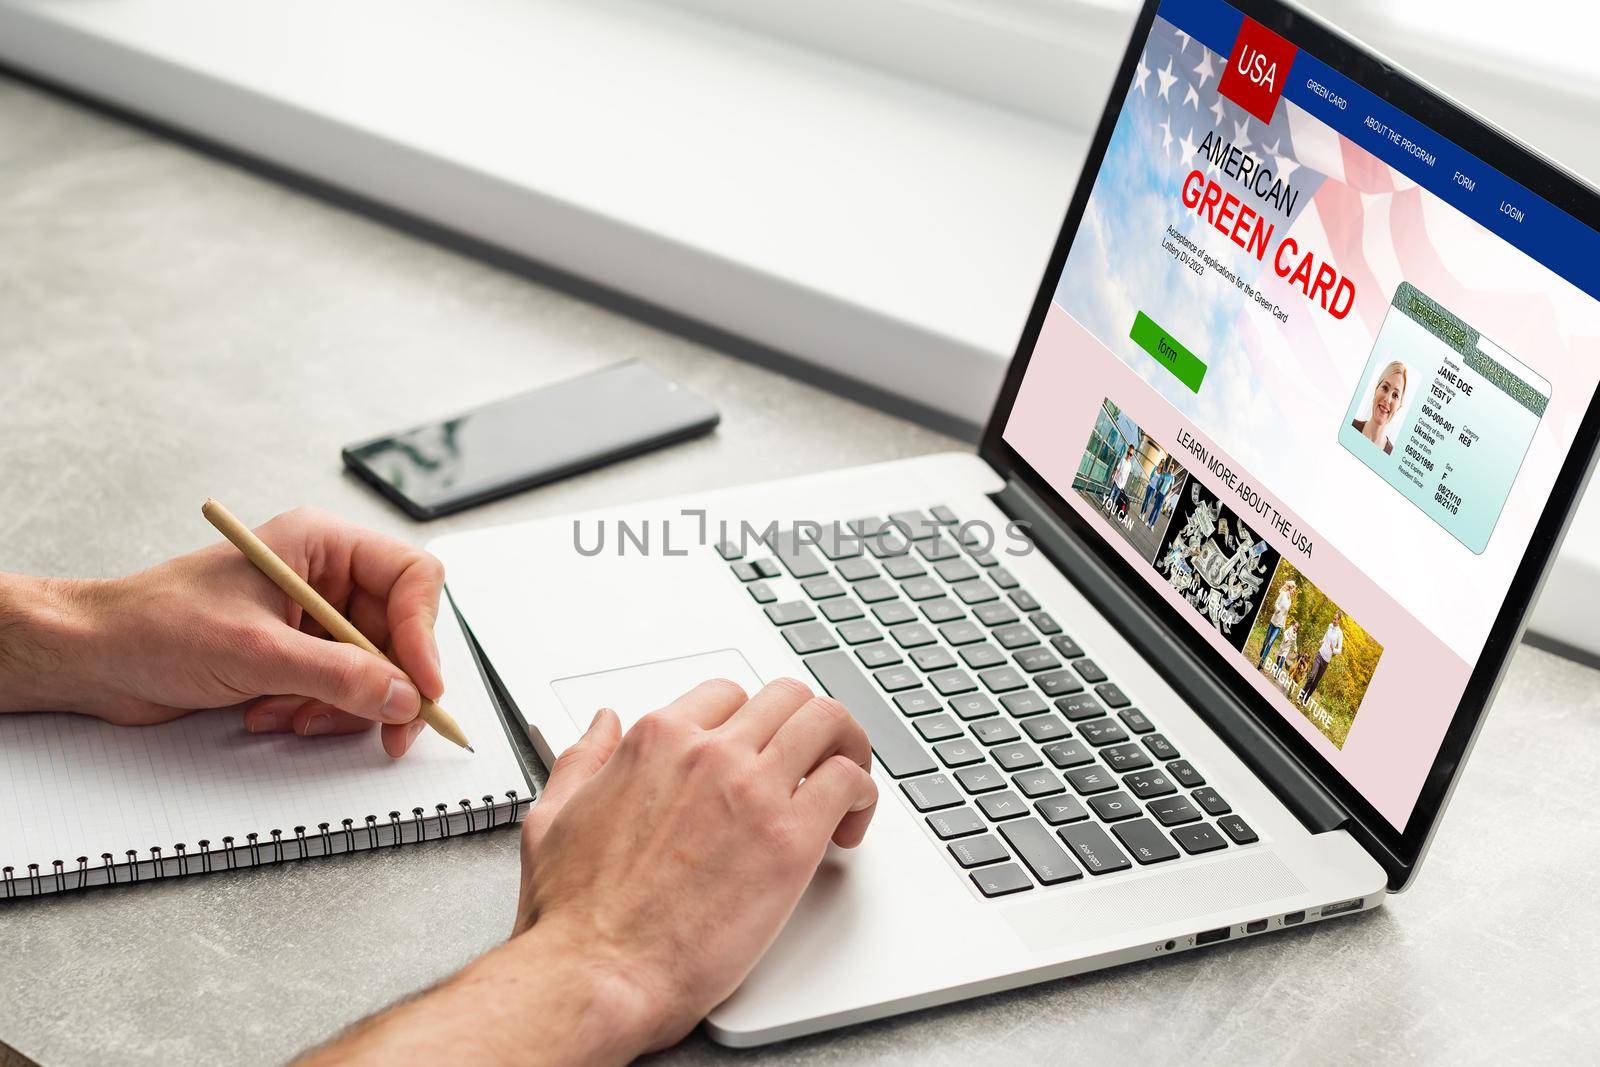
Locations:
{"points": [[642, 688]]}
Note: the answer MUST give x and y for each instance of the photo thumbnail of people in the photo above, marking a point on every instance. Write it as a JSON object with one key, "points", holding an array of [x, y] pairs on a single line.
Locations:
{"points": [[1130, 478], [1215, 561], [1320, 658]]}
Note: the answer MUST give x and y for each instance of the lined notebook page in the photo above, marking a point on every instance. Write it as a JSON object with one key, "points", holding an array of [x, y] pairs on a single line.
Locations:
{"points": [[74, 786]]}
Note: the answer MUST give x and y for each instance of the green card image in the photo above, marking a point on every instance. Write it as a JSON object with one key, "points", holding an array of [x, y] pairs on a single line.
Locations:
{"points": [[1444, 415]]}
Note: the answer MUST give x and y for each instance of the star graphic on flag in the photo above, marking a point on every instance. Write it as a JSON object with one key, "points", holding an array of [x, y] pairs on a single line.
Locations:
{"points": [[1204, 69], [1216, 109], [1241, 133], [1185, 38], [1191, 97], [1187, 144], [1141, 74], [1167, 78], [1285, 166], [1166, 137]]}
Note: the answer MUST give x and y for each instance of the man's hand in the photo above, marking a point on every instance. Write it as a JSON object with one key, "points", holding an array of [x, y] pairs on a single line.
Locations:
{"points": [[208, 630], [657, 869]]}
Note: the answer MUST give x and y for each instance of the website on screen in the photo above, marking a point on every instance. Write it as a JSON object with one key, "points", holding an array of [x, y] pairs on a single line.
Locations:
{"points": [[1313, 370]]}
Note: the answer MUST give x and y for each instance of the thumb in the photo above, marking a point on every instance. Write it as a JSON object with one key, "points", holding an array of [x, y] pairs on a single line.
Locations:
{"points": [[572, 769], [350, 678]]}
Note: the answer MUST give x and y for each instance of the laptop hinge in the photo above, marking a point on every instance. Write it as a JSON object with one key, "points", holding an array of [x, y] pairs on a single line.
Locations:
{"points": [[1207, 695]]}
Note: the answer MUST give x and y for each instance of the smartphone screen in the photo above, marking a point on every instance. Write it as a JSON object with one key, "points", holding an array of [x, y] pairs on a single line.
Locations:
{"points": [[529, 439]]}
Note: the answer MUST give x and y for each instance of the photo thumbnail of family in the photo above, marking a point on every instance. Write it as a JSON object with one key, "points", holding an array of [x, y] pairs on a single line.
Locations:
{"points": [[1319, 658]]}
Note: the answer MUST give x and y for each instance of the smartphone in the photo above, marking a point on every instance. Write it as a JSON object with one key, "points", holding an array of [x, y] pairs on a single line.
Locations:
{"points": [[530, 439]]}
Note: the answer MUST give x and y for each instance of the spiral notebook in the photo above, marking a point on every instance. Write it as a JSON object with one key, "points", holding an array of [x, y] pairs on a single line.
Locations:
{"points": [[84, 803]]}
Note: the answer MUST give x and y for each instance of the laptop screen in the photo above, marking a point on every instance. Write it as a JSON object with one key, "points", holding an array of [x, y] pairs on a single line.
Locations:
{"points": [[1312, 370]]}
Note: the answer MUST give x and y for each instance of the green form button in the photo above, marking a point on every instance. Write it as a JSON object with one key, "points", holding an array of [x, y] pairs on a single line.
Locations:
{"points": [[1184, 364]]}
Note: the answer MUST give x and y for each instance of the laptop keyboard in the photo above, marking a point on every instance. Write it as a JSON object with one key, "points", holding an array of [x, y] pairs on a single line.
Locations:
{"points": [[1027, 762]]}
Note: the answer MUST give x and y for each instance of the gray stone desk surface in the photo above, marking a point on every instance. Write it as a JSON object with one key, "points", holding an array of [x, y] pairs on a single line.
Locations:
{"points": [[172, 328]]}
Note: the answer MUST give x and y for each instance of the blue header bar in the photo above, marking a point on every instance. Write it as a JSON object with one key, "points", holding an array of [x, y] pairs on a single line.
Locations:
{"points": [[1504, 207]]}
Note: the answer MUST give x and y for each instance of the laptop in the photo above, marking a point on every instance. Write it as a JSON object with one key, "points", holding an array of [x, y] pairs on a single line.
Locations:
{"points": [[1194, 648]]}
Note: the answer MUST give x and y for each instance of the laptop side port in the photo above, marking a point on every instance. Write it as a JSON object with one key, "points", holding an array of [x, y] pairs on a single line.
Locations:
{"points": [[1342, 907], [1255, 926], [1294, 918], [1211, 937]]}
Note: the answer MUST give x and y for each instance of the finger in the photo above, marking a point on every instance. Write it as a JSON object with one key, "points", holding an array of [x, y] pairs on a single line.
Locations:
{"points": [[350, 678], [571, 770], [763, 714], [316, 719], [709, 704], [821, 728], [838, 799], [272, 715], [398, 737], [409, 581]]}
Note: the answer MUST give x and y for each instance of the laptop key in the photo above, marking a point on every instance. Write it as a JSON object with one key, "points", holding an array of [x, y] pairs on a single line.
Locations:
{"points": [[1090, 780], [1198, 838], [1146, 843], [762, 593], [881, 654], [1129, 757], [886, 544], [973, 706], [822, 587], [1160, 747], [1066, 646], [1045, 623], [919, 589], [1135, 720], [893, 613], [867, 527], [994, 731], [942, 610], [943, 515], [1060, 809], [1066, 754], [1111, 693], [997, 613], [838, 543], [1237, 829], [1058, 683], [766, 567], [896, 748], [903, 567], [1102, 732], [961, 633], [935, 549], [1023, 703], [894, 679], [914, 524], [1016, 635], [1018, 756], [1023, 600], [912, 635], [980, 779], [976, 591], [1113, 807], [1003, 578], [980, 656], [794, 551], [955, 822], [1147, 784], [955, 570], [1174, 810], [809, 637], [916, 702], [999, 806], [1184, 774], [960, 752], [1093, 848], [937, 727], [1087, 669], [874, 590], [1002, 679], [1000, 881], [859, 632], [1039, 782], [789, 612], [729, 551], [1211, 801], [1034, 660], [1046, 728], [855, 570], [977, 851], [933, 658], [1080, 706], [1035, 846], [951, 682], [931, 793], [840, 610], [745, 571]]}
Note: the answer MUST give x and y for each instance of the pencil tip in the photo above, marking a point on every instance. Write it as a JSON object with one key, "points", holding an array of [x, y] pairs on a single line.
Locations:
{"points": [[472, 750]]}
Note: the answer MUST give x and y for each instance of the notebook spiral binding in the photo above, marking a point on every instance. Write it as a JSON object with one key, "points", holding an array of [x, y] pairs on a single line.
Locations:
{"points": [[350, 836]]}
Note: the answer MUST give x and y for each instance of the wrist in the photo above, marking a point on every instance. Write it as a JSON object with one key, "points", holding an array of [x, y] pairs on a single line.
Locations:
{"points": [[46, 629]]}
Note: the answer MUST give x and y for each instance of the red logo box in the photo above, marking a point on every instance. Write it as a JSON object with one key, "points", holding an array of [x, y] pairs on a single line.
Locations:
{"points": [[1257, 70]]}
